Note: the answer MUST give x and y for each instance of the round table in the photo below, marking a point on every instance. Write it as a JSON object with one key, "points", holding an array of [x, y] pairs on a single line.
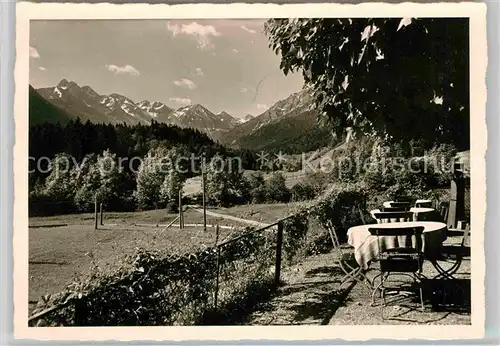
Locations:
{"points": [[424, 214], [366, 247], [419, 214]]}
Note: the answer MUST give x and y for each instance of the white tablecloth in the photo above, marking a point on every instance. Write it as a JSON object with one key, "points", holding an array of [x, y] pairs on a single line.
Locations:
{"points": [[425, 203], [366, 248]]}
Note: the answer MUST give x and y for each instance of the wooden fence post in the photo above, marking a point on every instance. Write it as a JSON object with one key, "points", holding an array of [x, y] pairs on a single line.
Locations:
{"points": [[100, 210], [95, 209], [216, 293], [217, 230], [279, 243], [80, 314]]}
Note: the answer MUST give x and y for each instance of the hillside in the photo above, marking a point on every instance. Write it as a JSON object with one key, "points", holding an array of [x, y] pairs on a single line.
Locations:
{"points": [[289, 126], [300, 133], [40, 110]]}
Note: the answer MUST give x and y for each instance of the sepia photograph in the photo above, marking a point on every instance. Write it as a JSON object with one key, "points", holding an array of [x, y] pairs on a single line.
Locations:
{"points": [[278, 171]]}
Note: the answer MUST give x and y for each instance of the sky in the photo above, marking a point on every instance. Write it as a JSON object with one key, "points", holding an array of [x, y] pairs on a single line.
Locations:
{"points": [[216, 63]]}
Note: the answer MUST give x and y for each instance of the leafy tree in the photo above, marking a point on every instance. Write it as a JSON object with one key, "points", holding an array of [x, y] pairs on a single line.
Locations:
{"points": [[98, 177], [59, 185], [172, 185], [150, 177], [302, 192], [257, 185], [225, 186], [160, 177], [399, 79]]}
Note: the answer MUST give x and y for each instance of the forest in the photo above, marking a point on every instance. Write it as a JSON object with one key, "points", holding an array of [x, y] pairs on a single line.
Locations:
{"points": [[84, 144]]}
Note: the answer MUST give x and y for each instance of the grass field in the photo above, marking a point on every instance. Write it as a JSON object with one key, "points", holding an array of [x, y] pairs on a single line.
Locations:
{"points": [[62, 248]]}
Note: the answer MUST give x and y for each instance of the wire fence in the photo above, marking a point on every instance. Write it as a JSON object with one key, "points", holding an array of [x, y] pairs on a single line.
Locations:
{"points": [[243, 270]]}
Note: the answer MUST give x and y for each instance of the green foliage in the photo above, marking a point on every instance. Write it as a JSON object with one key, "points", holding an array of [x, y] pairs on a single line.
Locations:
{"points": [[318, 180], [159, 179], [59, 184], [396, 175], [100, 176], [302, 192], [150, 178], [77, 140], [440, 160], [289, 134], [399, 79], [339, 204], [257, 186], [295, 231], [171, 186], [225, 185], [276, 189]]}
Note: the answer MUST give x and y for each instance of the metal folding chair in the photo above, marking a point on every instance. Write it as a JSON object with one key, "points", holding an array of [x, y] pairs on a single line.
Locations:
{"points": [[443, 211], [393, 209], [346, 260], [402, 260], [454, 254], [405, 199], [402, 206]]}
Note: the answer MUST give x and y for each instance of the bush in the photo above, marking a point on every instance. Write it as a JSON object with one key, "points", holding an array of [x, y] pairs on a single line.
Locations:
{"points": [[156, 288], [172, 208], [302, 192], [340, 204], [277, 190], [440, 160], [157, 179], [259, 194], [225, 188], [318, 180]]}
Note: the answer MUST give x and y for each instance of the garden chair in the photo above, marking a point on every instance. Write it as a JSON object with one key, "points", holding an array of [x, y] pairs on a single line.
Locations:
{"points": [[345, 260], [399, 260], [397, 216], [404, 199], [405, 206], [364, 216], [393, 209], [454, 253], [443, 211]]}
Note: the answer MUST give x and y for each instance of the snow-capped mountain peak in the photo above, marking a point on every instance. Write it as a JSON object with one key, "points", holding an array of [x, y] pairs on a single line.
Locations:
{"points": [[115, 108]]}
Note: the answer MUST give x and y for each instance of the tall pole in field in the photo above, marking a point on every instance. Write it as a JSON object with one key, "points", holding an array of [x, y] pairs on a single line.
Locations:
{"points": [[100, 212], [203, 181], [95, 209], [181, 213]]}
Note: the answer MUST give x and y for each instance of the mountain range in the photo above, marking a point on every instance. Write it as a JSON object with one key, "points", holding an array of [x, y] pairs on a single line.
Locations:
{"points": [[87, 104], [289, 123]]}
